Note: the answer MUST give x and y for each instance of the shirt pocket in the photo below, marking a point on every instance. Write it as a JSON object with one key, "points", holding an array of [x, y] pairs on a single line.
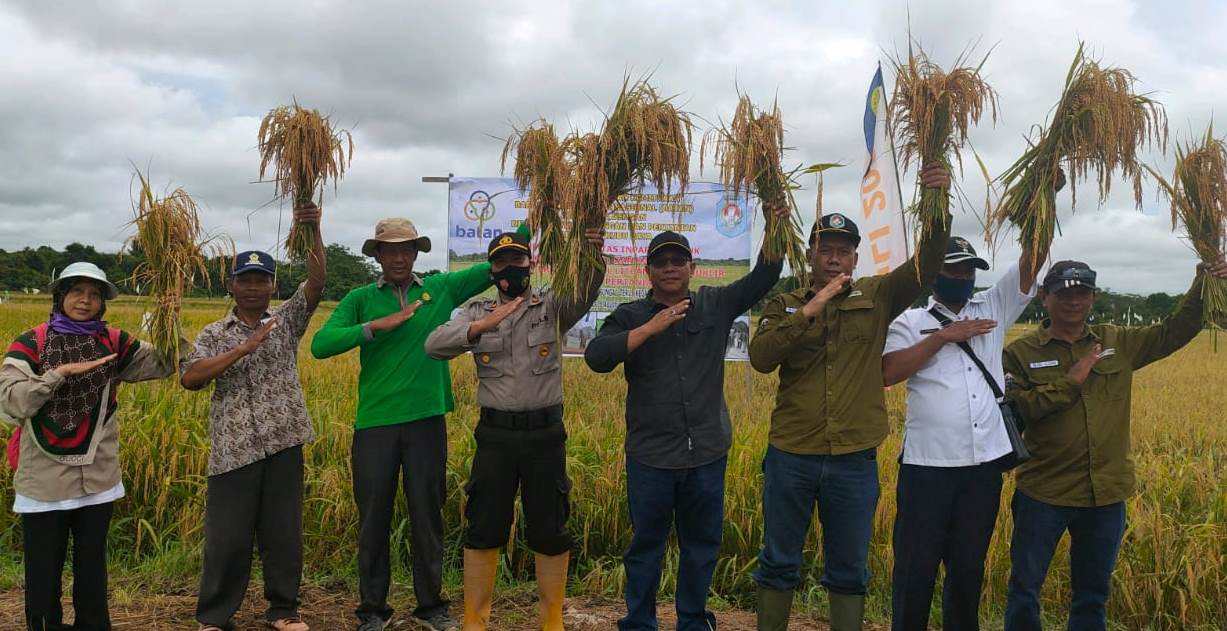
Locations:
{"points": [[1109, 380], [857, 320], [543, 345], [490, 356]]}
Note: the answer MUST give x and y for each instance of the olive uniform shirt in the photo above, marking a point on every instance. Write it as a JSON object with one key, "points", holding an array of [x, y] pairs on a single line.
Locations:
{"points": [[831, 400], [519, 363], [1078, 435]]}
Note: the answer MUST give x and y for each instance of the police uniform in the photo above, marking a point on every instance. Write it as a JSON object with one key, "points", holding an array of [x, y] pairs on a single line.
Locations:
{"points": [[521, 441]]}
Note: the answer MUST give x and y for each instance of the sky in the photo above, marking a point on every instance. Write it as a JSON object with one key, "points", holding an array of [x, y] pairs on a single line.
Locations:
{"points": [[92, 89]]}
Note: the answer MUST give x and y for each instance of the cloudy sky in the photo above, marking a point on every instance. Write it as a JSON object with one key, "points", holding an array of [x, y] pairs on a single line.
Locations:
{"points": [[91, 88]]}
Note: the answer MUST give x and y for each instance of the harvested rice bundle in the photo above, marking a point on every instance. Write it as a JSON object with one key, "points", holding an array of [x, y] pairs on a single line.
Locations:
{"points": [[177, 251], [748, 152], [542, 171], [931, 114], [575, 183], [304, 152], [1098, 125], [1198, 193]]}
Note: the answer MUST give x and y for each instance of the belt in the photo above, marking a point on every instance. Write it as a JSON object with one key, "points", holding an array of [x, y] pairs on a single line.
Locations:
{"points": [[525, 420]]}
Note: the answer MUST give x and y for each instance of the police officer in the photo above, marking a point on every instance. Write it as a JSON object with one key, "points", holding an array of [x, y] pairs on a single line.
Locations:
{"points": [[521, 442]]}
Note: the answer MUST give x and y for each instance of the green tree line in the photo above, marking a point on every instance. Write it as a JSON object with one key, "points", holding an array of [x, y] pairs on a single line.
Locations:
{"points": [[33, 268]]}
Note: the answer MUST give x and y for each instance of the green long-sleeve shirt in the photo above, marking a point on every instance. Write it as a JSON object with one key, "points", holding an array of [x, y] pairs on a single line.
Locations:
{"points": [[398, 382], [1078, 435], [830, 400]]}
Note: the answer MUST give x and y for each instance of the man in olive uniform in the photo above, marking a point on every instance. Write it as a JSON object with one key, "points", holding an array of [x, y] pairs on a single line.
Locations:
{"points": [[521, 442], [1071, 381], [830, 413]]}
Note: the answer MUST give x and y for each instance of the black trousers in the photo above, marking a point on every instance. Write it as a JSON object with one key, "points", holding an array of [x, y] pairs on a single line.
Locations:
{"points": [[531, 461], [416, 453], [45, 544], [262, 502], [945, 515]]}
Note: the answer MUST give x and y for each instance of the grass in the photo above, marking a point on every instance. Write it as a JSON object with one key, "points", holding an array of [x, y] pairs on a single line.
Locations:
{"points": [[1172, 572]]}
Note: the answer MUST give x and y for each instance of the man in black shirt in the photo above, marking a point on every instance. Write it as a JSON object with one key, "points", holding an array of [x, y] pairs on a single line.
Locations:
{"points": [[677, 424]]}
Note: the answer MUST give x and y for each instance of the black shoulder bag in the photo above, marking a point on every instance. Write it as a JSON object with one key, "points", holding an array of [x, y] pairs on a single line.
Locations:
{"points": [[1014, 425]]}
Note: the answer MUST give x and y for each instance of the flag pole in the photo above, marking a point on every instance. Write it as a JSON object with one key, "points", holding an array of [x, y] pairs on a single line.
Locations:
{"points": [[907, 241]]}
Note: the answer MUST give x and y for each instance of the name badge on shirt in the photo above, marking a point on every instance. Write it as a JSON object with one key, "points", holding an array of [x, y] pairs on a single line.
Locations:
{"points": [[790, 309], [855, 293], [1107, 352], [1048, 364]]}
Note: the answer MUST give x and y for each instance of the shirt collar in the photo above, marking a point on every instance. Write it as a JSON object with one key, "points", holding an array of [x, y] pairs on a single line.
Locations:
{"points": [[534, 299], [974, 299], [414, 279], [232, 318], [1045, 333]]}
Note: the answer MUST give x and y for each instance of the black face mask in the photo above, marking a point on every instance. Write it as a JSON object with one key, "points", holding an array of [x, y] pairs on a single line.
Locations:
{"points": [[518, 279], [954, 290]]}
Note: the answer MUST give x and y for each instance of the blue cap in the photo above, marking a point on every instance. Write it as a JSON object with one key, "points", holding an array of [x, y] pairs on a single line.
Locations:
{"points": [[253, 261]]}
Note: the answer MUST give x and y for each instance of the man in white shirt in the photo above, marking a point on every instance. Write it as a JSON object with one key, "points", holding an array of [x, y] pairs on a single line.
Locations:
{"points": [[955, 443]]}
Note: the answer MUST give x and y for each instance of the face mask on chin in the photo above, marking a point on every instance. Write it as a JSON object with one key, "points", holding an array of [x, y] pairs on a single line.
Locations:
{"points": [[953, 290], [512, 280]]}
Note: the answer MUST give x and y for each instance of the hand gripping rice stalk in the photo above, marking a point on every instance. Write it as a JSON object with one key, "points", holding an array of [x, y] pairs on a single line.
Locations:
{"points": [[303, 152], [177, 251], [1198, 194], [749, 151], [574, 183], [931, 113], [1098, 126]]}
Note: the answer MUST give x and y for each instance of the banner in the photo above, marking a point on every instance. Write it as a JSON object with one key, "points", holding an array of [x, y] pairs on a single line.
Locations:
{"points": [[883, 240], [717, 226]]}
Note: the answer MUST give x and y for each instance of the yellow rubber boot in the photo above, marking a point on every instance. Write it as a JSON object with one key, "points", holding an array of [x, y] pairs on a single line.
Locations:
{"points": [[552, 588], [480, 568]]}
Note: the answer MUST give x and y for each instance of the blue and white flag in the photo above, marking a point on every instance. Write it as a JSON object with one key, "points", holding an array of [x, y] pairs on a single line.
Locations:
{"points": [[883, 240]]}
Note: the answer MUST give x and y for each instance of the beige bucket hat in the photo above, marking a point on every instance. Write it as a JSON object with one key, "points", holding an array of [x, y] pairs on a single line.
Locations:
{"points": [[395, 230]]}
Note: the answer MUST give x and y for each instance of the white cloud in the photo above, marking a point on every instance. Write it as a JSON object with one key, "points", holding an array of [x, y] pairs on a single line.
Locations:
{"points": [[180, 87]]}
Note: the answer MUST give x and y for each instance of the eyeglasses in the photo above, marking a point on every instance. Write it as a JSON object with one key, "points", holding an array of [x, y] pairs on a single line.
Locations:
{"points": [[660, 262]]}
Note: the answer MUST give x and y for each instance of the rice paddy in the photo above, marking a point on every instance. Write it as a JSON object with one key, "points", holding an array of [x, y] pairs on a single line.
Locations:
{"points": [[1172, 572]]}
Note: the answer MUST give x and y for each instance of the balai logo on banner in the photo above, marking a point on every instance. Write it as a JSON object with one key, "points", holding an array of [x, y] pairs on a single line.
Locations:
{"points": [[717, 225]]}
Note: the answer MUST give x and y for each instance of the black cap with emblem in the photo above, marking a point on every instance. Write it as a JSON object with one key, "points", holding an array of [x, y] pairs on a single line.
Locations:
{"points": [[959, 249], [668, 239], [835, 223], [1066, 274], [508, 241]]}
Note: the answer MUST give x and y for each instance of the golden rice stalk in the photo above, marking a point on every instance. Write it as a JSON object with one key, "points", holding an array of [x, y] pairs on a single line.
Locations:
{"points": [[1098, 126], [574, 183], [176, 250], [542, 171], [748, 152], [931, 113], [1198, 194], [304, 152]]}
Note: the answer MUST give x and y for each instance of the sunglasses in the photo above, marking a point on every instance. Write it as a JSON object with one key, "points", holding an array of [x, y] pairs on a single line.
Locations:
{"points": [[660, 262]]}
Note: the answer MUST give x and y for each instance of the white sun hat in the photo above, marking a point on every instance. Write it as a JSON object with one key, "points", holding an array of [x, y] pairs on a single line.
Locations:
{"points": [[83, 269]]}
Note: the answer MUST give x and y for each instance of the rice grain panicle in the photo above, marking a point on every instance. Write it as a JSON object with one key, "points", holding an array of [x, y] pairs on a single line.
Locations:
{"points": [[931, 113], [1097, 126], [749, 151], [1198, 195], [304, 152], [176, 250], [574, 183]]}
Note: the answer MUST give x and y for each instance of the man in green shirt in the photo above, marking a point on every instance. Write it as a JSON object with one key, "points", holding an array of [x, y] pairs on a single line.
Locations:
{"points": [[830, 412], [1071, 382], [402, 397]]}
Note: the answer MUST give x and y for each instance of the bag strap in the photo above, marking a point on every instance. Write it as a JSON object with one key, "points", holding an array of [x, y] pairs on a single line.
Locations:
{"points": [[992, 383]]}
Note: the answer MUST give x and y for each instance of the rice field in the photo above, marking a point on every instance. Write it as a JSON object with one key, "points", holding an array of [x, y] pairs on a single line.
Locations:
{"points": [[1172, 572]]}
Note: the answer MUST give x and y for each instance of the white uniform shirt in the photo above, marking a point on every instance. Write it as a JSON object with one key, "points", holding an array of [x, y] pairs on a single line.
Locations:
{"points": [[952, 415]]}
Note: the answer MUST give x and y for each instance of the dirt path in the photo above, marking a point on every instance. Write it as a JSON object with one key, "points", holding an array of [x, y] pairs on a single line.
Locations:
{"points": [[332, 611]]}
